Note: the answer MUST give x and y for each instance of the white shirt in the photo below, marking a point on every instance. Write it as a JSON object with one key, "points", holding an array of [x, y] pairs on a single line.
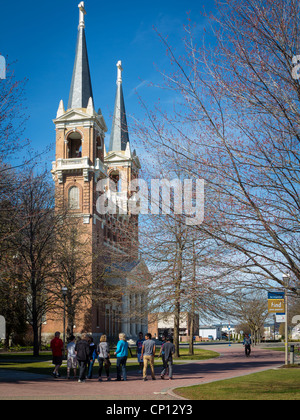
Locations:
{"points": [[71, 350]]}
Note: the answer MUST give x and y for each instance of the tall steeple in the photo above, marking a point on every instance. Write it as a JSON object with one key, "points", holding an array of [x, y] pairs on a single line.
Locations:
{"points": [[81, 86], [119, 134]]}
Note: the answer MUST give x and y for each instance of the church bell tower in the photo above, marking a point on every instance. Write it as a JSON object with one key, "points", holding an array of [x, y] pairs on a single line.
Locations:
{"points": [[81, 161], [80, 132], [78, 166]]}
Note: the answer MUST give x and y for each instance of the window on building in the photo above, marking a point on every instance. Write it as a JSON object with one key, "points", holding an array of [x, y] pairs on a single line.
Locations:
{"points": [[99, 147], [74, 145], [98, 317], [107, 319], [73, 198], [115, 177]]}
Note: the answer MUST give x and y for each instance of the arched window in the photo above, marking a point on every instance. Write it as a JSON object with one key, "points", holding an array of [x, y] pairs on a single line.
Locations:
{"points": [[73, 198], [115, 177], [74, 145], [99, 144]]}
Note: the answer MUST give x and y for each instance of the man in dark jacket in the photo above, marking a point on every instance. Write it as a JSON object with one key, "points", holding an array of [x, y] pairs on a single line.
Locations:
{"points": [[169, 350], [82, 350], [247, 344]]}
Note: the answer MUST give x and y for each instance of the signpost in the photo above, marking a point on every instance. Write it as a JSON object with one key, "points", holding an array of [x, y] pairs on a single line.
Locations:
{"points": [[280, 318], [276, 303]]}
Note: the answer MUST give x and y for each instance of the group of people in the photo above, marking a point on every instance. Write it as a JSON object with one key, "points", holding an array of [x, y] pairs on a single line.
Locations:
{"points": [[146, 349], [84, 352]]}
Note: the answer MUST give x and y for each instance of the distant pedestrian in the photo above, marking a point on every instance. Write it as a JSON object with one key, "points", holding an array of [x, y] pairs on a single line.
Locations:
{"points": [[139, 346], [103, 357], [82, 350], [122, 354], [148, 353], [71, 357], [92, 357], [247, 344], [169, 350], [162, 353], [57, 348]]}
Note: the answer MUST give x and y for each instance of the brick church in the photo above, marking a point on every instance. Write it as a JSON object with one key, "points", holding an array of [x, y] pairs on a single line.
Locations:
{"points": [[82, 163]]}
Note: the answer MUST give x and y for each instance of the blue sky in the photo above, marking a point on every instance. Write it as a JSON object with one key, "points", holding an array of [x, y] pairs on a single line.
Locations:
{"points": [[40, 38]]}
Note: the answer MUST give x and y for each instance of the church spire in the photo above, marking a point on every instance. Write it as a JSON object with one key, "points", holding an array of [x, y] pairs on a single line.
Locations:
{"points": [[119, 134], [81, 86]]}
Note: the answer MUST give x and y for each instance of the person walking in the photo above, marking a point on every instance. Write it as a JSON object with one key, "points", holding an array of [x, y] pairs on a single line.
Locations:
{"points": [[139, 345], [82, 350], [57, 348], [71, 357], [247, 344], [103, 357], [148, 353], [162, 353], [92, 357], [122, 354], [169, 350]]}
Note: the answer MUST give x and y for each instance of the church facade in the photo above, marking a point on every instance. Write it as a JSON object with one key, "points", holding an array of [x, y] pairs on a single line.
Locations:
{"points": [[86, 174]]}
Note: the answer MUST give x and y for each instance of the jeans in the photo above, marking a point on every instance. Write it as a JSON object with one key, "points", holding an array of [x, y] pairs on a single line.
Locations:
{"points": [[82, 369], [101, 360], [90, 365], [166, 364], [121, 363], [149, 359], [247, 350]]}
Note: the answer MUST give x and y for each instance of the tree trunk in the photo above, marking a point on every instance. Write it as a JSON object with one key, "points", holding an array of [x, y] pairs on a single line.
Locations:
{"points": [[178, 275], [192, 313], [176, 328], [36, 346], [192, 327], [35, 324]]}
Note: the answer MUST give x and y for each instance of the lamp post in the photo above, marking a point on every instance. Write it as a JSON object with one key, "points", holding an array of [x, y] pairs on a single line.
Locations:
{"points": [[285, 279], [64, 291]]}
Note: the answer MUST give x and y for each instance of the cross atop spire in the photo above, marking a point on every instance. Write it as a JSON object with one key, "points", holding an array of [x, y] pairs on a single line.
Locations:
{"points": [[120, 69], [82, 13], [81, 86]]}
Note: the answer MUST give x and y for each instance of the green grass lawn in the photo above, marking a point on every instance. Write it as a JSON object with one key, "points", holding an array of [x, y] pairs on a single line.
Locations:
{"points": [[199, 354], [279, 384], [43, 365]]}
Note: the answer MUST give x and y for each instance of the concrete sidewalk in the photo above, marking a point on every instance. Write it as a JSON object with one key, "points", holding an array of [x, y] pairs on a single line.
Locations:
{"points": [[230, 364]]}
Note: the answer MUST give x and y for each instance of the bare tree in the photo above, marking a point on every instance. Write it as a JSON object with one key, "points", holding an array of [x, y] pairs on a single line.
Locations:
{"points": [[235, 124], [72, 268], [252, 311], [12, 118], [32, 244]]}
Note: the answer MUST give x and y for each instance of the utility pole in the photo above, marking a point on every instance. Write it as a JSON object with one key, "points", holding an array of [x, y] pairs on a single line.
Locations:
{"points": [[286, 278], [64, 291], [193, 305]]}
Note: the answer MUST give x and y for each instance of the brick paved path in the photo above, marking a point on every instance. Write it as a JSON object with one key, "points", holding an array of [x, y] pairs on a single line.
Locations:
{"points": [[231, 363]]}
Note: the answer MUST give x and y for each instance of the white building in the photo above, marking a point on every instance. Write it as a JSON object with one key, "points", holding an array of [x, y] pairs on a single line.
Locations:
{"points": [[296, 332], [210, 331]]}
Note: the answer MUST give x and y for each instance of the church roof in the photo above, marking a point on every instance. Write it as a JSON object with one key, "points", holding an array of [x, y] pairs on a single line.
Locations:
{"points": [[125, 266], [81, 86], [119, 134]]}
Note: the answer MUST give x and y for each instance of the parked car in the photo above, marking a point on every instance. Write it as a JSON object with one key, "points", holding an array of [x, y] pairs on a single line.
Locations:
{"points": [[224, 337], [210, 337]]}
